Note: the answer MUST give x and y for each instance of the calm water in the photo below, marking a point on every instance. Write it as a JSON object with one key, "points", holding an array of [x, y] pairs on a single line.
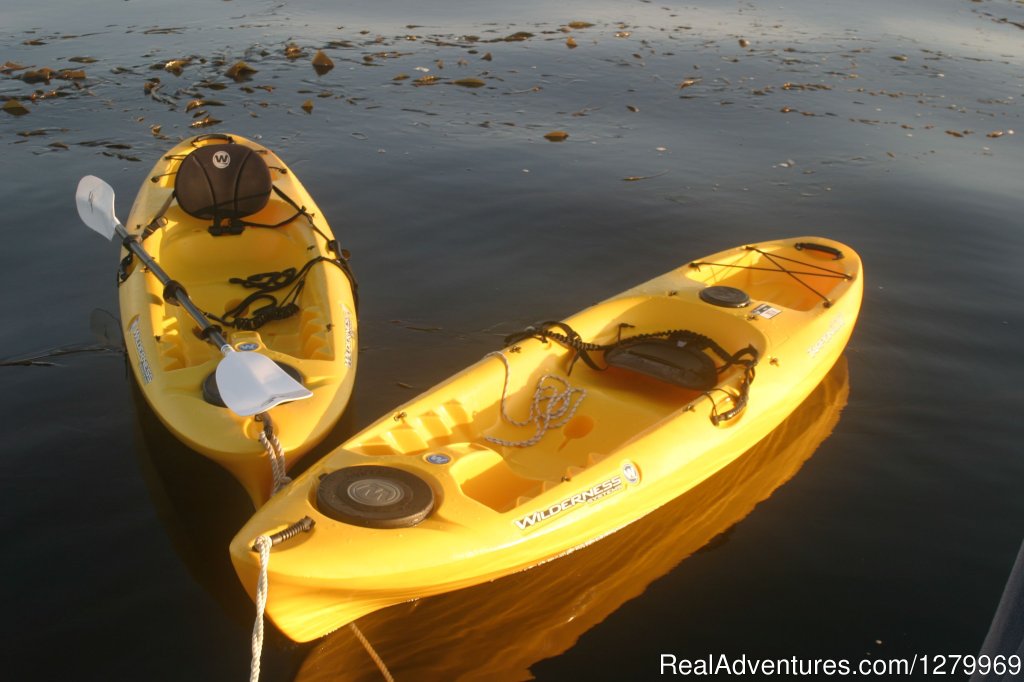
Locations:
{"points": [[866, 122]]}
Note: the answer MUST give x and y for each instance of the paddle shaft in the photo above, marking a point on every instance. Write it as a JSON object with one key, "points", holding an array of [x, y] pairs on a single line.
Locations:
{"points": [[180, 296]]}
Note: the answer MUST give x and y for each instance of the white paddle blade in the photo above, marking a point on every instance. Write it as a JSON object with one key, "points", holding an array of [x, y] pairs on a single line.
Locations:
{"points": [[250, 383], [95, 200]]}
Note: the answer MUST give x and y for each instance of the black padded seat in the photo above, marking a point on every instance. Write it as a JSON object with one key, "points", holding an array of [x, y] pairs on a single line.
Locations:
{"points": [[223, 182]]}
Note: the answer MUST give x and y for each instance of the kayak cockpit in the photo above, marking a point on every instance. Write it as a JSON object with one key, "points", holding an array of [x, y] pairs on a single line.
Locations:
{"points": [[499, 462]]}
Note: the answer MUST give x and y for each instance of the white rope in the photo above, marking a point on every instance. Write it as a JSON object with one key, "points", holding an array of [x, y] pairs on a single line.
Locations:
{"points": [[553, 405], [262, 545], [385, 673], [277, 461]]}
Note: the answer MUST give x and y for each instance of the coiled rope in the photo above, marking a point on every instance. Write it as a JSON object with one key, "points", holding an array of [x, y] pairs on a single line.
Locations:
{"points": [[553, 405]]}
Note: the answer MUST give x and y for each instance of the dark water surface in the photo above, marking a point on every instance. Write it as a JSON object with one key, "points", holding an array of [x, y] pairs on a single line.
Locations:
{"points": [[887, 126]]}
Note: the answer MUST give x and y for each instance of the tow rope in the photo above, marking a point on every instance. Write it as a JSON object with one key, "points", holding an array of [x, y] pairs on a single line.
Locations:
{"points": [[275, 452], [261, 545]]}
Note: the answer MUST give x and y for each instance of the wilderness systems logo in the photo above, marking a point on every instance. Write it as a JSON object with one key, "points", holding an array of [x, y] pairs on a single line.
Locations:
{"points": [[144, 369], [221, 159], [350, 335], [836, 325], [597, 492]]}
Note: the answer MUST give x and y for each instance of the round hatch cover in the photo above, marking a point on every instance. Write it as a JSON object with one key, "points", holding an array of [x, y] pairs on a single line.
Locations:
{"points": [[727, 297], [375, 497]]}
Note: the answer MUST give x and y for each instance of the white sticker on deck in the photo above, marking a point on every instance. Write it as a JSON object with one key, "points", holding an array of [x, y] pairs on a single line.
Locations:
{"points": [[766, 311]]}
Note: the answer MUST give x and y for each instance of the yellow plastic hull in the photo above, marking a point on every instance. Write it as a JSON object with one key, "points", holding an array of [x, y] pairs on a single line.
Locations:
{"points": [[501, 509], [170, 362]]}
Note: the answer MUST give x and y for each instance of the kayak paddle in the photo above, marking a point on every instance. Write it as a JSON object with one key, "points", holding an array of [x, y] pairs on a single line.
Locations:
{"points": [[249, 383]]}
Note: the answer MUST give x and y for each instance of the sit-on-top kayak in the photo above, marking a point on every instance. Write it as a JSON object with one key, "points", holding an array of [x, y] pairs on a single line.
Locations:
{"points": [[231, 224], [498, 630], [574, 430]]}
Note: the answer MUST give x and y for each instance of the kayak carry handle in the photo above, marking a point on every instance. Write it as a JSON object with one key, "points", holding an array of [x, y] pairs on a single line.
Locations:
{"points": [[211, 136], [810, 246]]}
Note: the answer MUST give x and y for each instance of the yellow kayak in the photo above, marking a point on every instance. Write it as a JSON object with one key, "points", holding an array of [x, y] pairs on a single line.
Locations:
{"points": [[576, 429], [498, 630], [234, 228]]}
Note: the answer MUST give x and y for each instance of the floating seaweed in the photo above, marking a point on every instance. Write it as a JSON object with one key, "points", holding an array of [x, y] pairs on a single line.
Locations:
{"points": [[205, 122], [637, 178], [39, 95], [123, 157], [240, 71], [176, 66], [322, 63], [42, 358], [805, 86], [42, 75], [14, 108], [517, 37]]}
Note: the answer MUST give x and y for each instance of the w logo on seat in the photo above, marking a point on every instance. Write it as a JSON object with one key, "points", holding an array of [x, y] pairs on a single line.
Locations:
{"points": [[221, 159]]}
